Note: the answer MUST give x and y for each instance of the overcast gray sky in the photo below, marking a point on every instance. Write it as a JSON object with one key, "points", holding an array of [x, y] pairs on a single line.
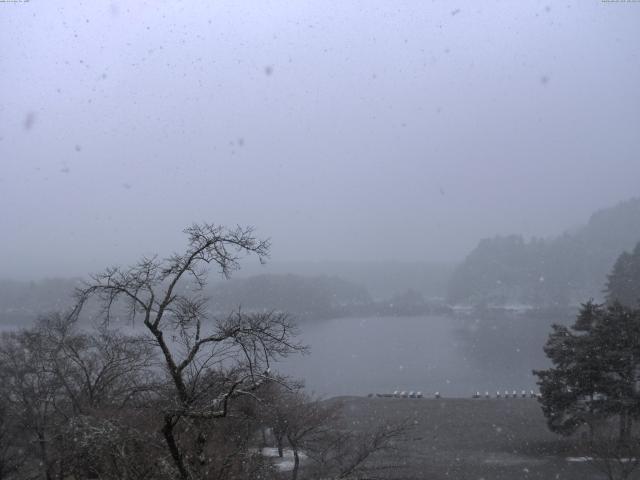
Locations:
{"points": [[343, 130]]}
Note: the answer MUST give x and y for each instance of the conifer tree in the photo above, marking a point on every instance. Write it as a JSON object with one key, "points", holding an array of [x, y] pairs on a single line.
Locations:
{"points": [[623, 283], [596, 370]]}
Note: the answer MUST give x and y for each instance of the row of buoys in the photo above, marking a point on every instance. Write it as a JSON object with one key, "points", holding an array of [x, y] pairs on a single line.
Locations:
{"points": [[402, 394], [399, 394], [506, 394], [412, 394]]}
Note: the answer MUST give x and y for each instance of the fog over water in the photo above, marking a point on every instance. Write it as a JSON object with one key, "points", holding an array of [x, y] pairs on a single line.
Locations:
{"points": [[342, 130], [358, 356]]}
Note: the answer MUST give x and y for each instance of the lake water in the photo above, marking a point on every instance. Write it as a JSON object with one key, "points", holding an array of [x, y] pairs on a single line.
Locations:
{"points": [[453, 356]]}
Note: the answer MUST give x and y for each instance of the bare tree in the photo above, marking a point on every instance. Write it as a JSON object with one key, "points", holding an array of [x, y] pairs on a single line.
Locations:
{"points": [[345, 453], [98, 368], [209, 362], [319, 429], [55, 377], [116, 445], [11, 446], [298, 419], [34, 395], [274, 418]]}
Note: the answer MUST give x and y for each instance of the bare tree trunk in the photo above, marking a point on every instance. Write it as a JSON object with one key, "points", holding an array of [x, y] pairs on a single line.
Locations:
{"points": [[167, 431], [264, 436], [42, 443], [625, 431], [201, 442], [279, 445], [592, 422], [296, 462]]}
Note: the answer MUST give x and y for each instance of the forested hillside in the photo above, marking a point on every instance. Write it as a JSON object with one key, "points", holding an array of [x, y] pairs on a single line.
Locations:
{"points": [[563, 270], [305, 297]]}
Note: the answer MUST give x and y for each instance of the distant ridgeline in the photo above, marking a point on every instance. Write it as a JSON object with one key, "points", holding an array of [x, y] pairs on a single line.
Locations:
{"points": [[562, 271], [305, 297], [22, 302], [314, 298]]}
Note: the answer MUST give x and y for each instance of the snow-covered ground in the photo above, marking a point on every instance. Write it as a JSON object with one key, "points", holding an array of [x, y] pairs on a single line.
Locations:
{"points": [[285, 463], [590, 459]]}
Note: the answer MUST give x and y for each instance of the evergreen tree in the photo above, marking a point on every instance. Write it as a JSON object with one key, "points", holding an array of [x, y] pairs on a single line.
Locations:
{"points": [[623, 283], [575, 375], [596, 369]]}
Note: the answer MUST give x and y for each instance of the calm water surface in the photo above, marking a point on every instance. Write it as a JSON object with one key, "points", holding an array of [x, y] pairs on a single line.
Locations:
{"points": [[375, 355]]}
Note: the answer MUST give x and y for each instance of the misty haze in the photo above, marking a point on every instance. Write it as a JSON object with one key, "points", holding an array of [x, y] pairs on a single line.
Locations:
{"points": [[320, 240]]}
